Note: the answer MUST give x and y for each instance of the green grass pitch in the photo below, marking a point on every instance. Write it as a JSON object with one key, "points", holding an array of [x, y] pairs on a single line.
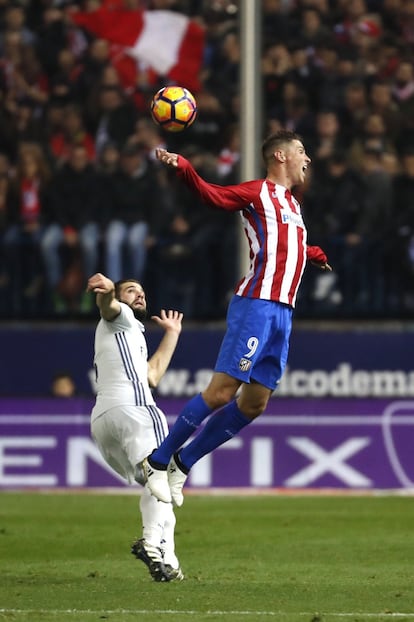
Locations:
{"points": [[65, 557]]}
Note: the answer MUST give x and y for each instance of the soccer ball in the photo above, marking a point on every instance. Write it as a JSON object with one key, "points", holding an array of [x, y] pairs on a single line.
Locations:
{"points": [[174, 108]]}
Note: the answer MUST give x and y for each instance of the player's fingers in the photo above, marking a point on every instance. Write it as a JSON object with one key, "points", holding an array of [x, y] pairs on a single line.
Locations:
{"points": [[160, 152]]}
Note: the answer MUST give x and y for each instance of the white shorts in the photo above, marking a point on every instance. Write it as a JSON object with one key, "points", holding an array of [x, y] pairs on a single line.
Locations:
{"points": [[125, 435]]}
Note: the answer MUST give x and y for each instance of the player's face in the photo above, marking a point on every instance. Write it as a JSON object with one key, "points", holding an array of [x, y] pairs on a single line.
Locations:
{"points": [[133, 295], [297, 161]]}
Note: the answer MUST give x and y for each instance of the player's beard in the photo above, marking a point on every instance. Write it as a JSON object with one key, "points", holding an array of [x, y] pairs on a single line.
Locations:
{"points": [[140, 314]]}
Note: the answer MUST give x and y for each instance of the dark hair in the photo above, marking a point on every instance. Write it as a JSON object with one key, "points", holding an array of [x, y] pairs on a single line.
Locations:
{"points": [[119, 284], [274, 141]]}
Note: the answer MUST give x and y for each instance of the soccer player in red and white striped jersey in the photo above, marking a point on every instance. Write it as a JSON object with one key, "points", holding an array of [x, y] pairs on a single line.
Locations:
{"points": [[254, 350]]}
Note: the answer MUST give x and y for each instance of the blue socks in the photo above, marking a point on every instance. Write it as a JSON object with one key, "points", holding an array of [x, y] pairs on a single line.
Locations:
{"points": [[222, 426], [193, 413], [225, 424]]}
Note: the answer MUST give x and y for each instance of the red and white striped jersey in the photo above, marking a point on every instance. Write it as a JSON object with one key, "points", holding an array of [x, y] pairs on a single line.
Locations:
{"points": [[274, 229]]}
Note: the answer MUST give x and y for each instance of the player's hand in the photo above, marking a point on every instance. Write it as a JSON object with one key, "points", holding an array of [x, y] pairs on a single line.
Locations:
{"points": [[322, 266], [100, 284], [317, 257], [169, 320], [166, 157]]}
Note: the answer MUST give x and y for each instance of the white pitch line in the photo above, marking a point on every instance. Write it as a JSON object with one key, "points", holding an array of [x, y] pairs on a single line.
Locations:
{"points": [[209, 613]]}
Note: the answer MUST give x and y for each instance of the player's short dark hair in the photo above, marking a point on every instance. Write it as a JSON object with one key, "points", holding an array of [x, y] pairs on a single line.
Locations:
{"points": [[274, 141], [119, 284]]}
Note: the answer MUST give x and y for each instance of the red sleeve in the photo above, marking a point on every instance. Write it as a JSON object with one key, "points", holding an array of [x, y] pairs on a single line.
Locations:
{"points": [[230, 198], [316, 254]]}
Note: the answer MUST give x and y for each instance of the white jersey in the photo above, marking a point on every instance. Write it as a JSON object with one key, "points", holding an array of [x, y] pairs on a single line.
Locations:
{"points": [[121, 363]]}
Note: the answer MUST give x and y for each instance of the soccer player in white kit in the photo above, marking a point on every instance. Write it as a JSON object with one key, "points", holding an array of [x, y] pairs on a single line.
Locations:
{"points": [[126, 424]]}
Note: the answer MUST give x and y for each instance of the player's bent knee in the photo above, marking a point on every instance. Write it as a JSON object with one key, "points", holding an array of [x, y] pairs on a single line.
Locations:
{"points": [[252, 411], [217, 398], [252, 408]]}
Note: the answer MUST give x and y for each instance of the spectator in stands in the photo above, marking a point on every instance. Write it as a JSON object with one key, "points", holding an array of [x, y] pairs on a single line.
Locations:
{"points": [[350, 13], [30, 80], [366, 40], [336, 217], [294, 111], [313, 30], [276, 65], [11, 60], [381, 102], [54, 35], [229, 155], [136, 209], [373, 137], [53, 119], [115, 115], [14, 20], [211, 122], [406, 23], [23, 235], [21, 72], [150, 136], [403, 94], [304, 72], [72, 131], [403, 85], [228, 59], [8, 210], [375, 227], [353, 109], [67, 73], [275, 22], [327, 140], [329, 82], [391, 13], [95, 60], [401, 235], [70, 245], [24, 124], [7, 138], [109, 161]]}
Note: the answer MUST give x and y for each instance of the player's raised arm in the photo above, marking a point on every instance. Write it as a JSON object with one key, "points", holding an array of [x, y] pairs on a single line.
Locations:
{"points": [[104, 289], [170, 321], [229, 198]]}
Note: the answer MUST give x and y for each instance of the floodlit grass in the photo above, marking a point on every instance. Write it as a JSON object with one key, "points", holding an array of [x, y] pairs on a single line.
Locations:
{"points": [[308, 559]]}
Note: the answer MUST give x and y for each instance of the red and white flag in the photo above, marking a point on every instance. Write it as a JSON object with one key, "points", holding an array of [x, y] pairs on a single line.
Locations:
{"points": [[171, 44]]}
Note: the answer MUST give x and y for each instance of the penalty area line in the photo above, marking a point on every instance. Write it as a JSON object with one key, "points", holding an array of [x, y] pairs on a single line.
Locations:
{"points": [[143, 612]]}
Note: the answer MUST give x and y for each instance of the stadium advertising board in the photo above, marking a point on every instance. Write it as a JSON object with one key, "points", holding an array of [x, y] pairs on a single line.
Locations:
{"points": [[363, 444], [322, 363]]}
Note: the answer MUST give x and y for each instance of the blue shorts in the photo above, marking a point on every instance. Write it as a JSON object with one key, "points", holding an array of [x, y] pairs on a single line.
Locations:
{"points": [[256, 344]]}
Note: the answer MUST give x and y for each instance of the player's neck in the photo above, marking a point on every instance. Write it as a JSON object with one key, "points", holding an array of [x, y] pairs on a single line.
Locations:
{"points": [[280, 180]]}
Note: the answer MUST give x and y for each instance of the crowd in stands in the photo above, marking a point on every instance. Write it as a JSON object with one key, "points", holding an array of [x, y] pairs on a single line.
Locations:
{"points": [[81, 191]]}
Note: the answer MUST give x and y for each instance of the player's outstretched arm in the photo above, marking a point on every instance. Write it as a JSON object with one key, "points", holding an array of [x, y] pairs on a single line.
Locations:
{"points": [[171, 322], [230, 198], [104, 289]]}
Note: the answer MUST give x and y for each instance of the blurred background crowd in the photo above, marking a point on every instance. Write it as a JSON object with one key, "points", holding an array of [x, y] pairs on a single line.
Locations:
{"points": [[80, 190]]}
